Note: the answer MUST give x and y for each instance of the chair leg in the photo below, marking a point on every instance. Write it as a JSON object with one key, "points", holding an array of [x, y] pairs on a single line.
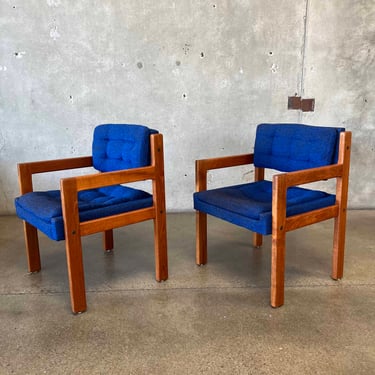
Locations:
{"points": [[278, 268], [258, 176], [161, 252], [32, 247], [257, 239], [201, 238], [339, 246], [108, 240], [341, 200], [76, 273]]}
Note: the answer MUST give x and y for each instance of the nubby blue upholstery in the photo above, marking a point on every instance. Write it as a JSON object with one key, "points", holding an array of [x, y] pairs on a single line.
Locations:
{"points": [[115, 147], [121, 153], [250, 205], [304, 154], [292, 147]]}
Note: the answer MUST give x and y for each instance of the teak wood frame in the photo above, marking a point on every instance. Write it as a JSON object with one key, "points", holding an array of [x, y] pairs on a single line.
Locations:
{"points": [[74, 229], [280, 223]]}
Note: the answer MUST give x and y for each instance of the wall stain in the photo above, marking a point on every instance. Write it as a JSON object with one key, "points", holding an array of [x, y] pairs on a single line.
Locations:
{"points": [[247, 175], [54, 34], [274, 68], [20, 54], [53, 3], [186, 48], [2, 142], [139, 65]]}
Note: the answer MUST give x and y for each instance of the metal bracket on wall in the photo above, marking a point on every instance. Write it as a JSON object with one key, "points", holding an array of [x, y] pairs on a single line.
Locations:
{"points": [[305, 105]]}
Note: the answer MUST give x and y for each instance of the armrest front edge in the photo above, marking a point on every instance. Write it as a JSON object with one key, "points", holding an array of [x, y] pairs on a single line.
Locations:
{"points": [[204, 165]]}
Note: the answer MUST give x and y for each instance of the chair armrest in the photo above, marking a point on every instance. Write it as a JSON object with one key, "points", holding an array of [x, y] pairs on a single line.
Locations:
{"points": [[103, 179], [26, 170], [313, 174], [339, 170], [281, 183], [204, 165], [72, 185]]}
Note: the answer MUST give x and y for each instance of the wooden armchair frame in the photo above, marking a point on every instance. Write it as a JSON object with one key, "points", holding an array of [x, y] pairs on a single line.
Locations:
{"points": [[74, 229], [280, 223]]}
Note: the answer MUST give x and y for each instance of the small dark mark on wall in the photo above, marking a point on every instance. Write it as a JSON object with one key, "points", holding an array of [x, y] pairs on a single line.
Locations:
{"points": [[270, 53], [20, 54], [178, 63], [186, 48], [202, 55], [184, 96], [140, 65], [213, 5]]}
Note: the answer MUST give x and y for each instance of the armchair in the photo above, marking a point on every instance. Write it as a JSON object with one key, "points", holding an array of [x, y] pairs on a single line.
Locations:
{"points": [[97, 202], [304, 154]]}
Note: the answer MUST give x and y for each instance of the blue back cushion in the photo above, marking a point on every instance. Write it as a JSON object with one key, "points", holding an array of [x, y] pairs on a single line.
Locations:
{"points": [[121, 146], [291, 147]]}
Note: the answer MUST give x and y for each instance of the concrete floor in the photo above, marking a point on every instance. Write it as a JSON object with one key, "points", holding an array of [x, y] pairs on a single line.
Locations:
{"points": [[214, 319]]}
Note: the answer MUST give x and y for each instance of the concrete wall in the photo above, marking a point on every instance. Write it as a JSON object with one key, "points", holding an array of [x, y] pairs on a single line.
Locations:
{"points": [[202, 72]]}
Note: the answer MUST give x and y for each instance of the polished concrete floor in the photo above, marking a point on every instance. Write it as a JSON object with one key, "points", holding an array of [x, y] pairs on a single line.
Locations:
{"points": [[214, 319]]}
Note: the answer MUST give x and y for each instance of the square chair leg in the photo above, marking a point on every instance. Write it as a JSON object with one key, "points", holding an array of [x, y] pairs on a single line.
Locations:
{"points": [[32, 247], [201, 238]]}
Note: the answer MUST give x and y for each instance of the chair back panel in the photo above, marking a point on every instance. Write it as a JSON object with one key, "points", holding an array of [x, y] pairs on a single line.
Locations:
{"points": [[291, 147], [121, 146]]}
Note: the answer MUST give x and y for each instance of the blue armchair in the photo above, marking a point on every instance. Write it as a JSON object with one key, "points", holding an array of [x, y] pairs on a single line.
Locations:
{"points": [[304, 154], [97, 202]]}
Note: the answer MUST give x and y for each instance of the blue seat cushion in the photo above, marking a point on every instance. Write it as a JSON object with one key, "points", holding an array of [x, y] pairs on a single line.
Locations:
{"points": [[121, 146], [250, 205], [44, 211], [291, 147]]}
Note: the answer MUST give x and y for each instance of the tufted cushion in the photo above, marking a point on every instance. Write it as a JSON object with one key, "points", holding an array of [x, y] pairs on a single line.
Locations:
{"points": [[121, 146], [43, 209], [250, 205], [291, 147]]}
